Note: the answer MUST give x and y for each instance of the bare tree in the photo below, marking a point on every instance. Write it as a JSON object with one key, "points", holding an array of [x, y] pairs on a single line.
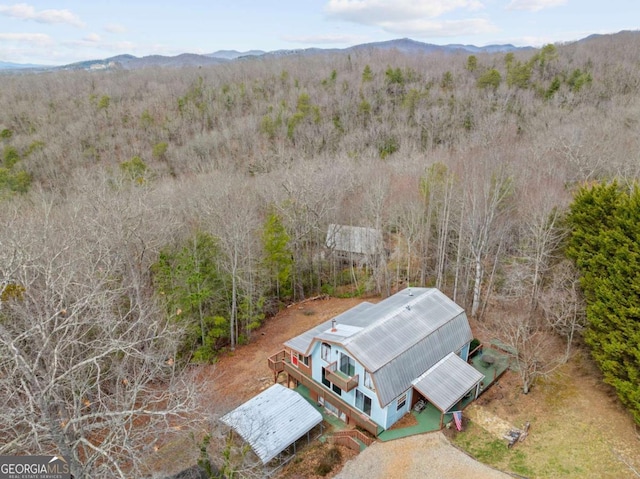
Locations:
{"points": [[487, 200], [563, 304], [87, 362], [529, 341]]}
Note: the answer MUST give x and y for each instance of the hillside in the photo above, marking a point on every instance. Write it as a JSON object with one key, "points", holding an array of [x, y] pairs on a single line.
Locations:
{"points": [[160, 215]]}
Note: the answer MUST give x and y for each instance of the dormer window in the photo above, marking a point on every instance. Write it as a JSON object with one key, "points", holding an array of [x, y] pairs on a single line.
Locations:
{"points": [[368, 381], [325, 352]]}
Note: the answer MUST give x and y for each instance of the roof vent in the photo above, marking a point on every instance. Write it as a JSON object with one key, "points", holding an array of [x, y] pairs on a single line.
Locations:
{"points": [[410, 292], [333, 326]]}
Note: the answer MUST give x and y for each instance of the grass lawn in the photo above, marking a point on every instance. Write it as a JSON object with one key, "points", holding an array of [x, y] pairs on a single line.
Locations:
{"points": [[578, 429]]}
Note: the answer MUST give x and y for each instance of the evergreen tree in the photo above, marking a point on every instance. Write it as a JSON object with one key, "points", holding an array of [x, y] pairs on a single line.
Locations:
{"points": [[605, 244], [278, 259], [195, 294]]}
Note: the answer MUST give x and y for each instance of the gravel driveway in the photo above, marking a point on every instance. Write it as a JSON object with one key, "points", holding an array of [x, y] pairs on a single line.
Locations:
{"points": [[425, 455]]}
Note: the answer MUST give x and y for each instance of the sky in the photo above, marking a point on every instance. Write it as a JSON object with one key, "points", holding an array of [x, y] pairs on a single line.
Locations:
{"points": [[58, 32]]}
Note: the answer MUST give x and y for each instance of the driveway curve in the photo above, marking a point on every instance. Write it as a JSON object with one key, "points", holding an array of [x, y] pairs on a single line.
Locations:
{"points": [[426, 455]]}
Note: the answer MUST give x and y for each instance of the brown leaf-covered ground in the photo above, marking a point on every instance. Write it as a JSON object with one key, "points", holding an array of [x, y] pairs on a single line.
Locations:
{"points": [[578, 428]]}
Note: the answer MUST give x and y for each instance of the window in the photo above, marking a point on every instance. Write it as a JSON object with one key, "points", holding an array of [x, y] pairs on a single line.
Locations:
{"points": [[304, 359], [325, 381], [337, 390], [402, 400], [347, 365], [368, 381], [325, 352], [363, 402]]}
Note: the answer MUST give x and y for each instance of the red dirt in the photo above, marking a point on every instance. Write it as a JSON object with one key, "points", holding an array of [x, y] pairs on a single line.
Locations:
{"points": [[241, 374]]}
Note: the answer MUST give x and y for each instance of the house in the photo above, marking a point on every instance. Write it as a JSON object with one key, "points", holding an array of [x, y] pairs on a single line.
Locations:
{"points": [[373, 363], [355, 244]]}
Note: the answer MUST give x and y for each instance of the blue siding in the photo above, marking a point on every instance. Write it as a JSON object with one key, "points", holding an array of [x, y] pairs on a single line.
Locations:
{"points": [[393, 413], [378, 414]]}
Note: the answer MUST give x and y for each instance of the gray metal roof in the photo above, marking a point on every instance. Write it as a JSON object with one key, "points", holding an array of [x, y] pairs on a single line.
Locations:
{"points": [[401, 324], [448, 381], [273, 420], [353, 317], [413, 335], [401, 337], [354, 239]]}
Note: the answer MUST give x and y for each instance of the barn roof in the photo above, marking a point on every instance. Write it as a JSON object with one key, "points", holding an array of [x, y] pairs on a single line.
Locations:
{"points": [[397, 339], [273, 420], [447, 382]]}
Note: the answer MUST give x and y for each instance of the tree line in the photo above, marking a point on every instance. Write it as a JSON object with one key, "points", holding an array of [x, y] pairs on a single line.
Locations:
{"points": [[189, 205]]}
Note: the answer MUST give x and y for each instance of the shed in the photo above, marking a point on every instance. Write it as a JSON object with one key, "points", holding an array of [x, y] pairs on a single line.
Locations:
{"points": [[354, 240], [273, 420]]}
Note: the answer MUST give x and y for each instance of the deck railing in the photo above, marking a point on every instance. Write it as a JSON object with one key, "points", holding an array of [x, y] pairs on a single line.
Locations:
{"points": [[344, 382], [276, 362], [354, 433], [355, 416]]}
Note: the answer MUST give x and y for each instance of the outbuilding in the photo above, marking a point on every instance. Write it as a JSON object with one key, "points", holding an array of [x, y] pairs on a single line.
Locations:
{"points": [[273, 420]]}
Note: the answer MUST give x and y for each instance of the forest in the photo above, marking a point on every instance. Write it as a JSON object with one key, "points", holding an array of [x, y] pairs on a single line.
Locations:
{"points": [[153, 218]]}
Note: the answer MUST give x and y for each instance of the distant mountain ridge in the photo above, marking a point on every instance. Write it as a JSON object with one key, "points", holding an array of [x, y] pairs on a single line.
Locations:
{"points": [[17, 66], [130, 62]]}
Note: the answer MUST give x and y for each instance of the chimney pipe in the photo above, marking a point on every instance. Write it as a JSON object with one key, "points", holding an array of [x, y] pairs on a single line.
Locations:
{"points": [[333, 326]]}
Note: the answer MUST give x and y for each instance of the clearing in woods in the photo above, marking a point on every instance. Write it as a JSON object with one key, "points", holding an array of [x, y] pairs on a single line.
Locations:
{"points": [[578, 428]]}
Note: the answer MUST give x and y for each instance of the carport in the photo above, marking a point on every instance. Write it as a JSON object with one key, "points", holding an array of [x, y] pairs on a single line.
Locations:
{"points": [[447, 382], [273, 420]]}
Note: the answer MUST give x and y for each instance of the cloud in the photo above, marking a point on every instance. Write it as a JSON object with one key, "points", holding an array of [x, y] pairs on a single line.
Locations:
{"points": [[325, 39], [448, 28], [27, 12], [37, 39], [92, 38], [373, 12], [411, 17], [534, 5], [115, 28]]}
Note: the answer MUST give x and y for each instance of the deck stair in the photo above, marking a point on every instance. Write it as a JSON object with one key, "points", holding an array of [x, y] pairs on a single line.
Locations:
{"points": [[351, 438]]}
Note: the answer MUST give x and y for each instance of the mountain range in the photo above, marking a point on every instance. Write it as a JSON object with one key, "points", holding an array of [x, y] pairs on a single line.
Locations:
{"points": [[130, 62]]}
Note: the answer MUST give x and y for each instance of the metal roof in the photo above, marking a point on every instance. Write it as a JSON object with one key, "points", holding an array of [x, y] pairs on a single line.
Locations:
{"points": [[353, 317], [447, 382], [410, 319], [273, 420], [418, 329], [354, 239], [401, 337]]}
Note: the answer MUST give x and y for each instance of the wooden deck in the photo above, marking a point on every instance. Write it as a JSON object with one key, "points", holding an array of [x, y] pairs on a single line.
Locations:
{"points": [[280, 362]]}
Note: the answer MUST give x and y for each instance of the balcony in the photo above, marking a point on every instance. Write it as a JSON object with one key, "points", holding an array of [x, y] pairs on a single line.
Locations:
{"points": [[337, 377], [276, 362]]}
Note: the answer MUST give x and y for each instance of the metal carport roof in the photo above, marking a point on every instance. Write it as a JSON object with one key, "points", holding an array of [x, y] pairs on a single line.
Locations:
{"points": [[447, 382], [273, 420]]}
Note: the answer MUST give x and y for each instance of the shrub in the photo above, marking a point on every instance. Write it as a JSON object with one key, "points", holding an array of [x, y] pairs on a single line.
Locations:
{"points": [[329, 461]]}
